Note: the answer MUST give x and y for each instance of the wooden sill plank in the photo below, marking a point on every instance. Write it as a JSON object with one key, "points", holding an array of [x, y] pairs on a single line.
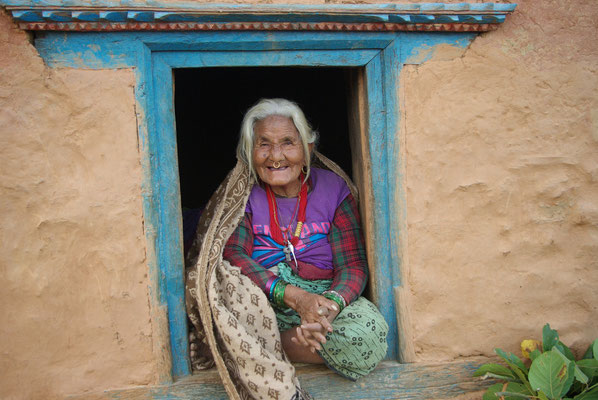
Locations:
{"points": [[390, 380]]}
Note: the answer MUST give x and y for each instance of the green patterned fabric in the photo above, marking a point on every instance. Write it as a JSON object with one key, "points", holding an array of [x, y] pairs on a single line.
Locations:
{"points": [[358, 341]]}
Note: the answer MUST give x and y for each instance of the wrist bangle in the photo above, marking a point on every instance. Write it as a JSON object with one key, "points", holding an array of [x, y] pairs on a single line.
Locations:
{"points": [[270, 287], [279, 289], [337, 298]]}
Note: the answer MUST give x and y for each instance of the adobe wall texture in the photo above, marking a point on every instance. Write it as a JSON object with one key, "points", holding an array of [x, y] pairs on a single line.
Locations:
{"points": [[74, 299], [502, 193], [502, 204]]}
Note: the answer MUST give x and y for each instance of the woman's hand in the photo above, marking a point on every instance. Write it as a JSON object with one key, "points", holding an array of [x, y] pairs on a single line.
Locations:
{"points": [[310, 307], [317, 314], [313, 334]]}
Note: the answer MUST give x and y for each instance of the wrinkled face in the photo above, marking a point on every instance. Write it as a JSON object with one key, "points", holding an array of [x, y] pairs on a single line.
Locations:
{"points": [[277, 143]]}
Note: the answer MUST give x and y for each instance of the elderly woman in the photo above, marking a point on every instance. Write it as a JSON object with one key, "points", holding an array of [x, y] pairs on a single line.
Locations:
{"points": [[298, 239]]}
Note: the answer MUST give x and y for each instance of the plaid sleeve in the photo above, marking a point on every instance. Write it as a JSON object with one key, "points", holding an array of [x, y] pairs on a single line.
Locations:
{"points": [[348, 251], [238, 251]]}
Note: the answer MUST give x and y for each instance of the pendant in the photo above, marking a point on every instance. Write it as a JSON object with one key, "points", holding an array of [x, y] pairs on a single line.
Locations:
{"points": [[291, 249]]}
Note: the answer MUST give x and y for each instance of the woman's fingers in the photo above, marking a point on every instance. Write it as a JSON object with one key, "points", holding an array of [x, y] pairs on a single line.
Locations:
{"points": [[300, 338], [326, 324], [316, 330], [308, 337], [321, 338], [312, 326], [331, 305]]}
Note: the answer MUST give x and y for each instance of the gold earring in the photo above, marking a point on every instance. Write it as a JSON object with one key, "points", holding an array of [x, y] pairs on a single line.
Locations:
{"points": [[304, 169]]}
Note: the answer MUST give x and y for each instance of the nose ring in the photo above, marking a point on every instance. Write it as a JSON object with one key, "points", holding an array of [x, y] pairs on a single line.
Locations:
{"points": [[276, 164]]}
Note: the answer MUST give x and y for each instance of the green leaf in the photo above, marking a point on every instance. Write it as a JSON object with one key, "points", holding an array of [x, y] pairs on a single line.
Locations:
{"points": [[511, 358], [565, 350], [550, 337], [512, 395], [570, 378], [490, 394], [576, 388], [522, 376], [495, 369], [589, 352], [590, 395], [588, 367], [551, 374], [502, 377], [534, 354], [542, 396], [595, 349], [579, 375], [519, 389]]}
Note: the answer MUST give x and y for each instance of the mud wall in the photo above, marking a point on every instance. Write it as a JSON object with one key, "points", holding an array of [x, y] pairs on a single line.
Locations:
{"points": [[501, 179], [74, 299]]}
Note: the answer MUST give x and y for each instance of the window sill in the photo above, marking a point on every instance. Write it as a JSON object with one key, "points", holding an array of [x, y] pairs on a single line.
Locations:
{"points": [[390, 380]]}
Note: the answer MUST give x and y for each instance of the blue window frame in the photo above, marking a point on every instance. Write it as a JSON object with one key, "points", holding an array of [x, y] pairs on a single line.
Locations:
{"points": [[154, 56]]}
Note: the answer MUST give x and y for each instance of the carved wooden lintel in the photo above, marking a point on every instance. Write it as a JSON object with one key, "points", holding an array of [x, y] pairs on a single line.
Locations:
{"points": [[111, 16]]}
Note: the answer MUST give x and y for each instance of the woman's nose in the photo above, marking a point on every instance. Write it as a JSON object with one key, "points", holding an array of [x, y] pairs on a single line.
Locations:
{"points": [[276, 152]]}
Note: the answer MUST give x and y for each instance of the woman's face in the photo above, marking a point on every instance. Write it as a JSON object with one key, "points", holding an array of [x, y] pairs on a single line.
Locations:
{"points": [[277, 142]]}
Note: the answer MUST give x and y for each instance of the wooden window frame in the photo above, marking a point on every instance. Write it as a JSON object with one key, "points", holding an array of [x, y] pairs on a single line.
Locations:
{"points": [[154, 56], [378, 55]]}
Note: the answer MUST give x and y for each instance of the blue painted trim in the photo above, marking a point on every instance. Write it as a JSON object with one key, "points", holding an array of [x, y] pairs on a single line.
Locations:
{"points": [[268, 8], [170, 240], [416, 49], [97, 50], [330, 58], [163, 63], [396, 206], [378, 141], [155, 11], [153, 199], [151, 17], [113, 16], [34, 15], [154, 55]]}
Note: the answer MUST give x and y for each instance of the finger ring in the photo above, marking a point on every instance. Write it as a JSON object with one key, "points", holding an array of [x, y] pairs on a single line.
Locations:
{"points": [[322, 311]]}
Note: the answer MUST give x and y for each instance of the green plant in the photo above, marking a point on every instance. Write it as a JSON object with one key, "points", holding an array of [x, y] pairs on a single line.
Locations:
{"points": [[552, 374]]}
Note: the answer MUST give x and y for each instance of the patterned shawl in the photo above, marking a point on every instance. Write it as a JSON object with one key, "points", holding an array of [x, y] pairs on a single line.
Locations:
{"points": [[234, 326]]}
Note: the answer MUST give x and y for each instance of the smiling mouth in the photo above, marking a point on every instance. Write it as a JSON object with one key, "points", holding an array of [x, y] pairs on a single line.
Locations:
{"points": [[282, 168]]}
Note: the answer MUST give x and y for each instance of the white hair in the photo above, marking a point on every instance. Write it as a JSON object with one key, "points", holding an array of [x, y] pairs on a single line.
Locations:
{"points": [[266, 108]]}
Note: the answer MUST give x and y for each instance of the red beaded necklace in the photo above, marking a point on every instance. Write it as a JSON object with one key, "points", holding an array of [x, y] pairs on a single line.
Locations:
{"points": [[275, 228]]}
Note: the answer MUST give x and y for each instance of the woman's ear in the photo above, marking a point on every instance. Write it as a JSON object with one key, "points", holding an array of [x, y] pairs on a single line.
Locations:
{"points": [[310, 146]]}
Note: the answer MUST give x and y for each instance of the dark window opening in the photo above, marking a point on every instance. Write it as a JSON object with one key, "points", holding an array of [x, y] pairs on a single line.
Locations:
{"points": [[209, 107], [210, 104]]}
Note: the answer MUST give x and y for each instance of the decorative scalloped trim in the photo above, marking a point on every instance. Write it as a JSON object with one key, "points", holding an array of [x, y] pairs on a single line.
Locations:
{"points": [[111, 16], [254, 26]]}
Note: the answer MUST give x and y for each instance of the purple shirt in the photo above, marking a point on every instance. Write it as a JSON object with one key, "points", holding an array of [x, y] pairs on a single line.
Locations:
{"points": [[328, 192]]}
